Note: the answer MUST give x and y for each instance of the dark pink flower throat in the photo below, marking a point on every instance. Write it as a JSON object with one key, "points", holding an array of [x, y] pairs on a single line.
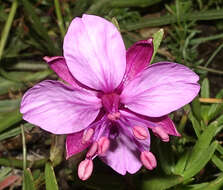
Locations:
{"points": [[111, 103]]}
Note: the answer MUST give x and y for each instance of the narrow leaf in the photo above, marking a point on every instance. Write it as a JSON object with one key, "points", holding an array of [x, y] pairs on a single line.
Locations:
{"points": [[160, 182], [157, 39], [28, 183], [205, 89], [50, 178], [203, 156]]}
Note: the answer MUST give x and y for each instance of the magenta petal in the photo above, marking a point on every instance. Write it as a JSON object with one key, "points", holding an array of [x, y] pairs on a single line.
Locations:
{"points": [[138, 57], [168, 126], [58, 108], [160, 89], [58, 64], [95, 53], [74, 144]]}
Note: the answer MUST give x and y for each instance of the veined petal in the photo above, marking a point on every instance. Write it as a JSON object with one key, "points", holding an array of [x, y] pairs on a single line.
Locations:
{"points": [[58, 108], [95, 53], [138, 57], [123, 155], [74, 144], [124, 152], [160, 89], [59, 66], [167, 125]]}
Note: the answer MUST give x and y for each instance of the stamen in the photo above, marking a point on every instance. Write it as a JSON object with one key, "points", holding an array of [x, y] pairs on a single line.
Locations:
{"points": [[140, 132], [92, 151], [103, 145], [114, 116], [85, 169], [158, 131], [87, 135], [148, 160]]}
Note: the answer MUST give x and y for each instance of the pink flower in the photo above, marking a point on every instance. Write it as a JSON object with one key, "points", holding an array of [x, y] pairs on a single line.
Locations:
{"points": [[113, 98]]}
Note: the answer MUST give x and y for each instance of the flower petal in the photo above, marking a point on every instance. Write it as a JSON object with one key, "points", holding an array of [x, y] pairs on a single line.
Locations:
{"points": [[58, 64], [95, 52], [160, 89], [138, 57], [74, 144], [58, 108], [124, 152], [167, 125], [123, 155]]}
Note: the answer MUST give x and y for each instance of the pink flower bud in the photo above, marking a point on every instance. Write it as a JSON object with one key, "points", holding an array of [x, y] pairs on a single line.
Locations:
{"points": [[87, 135], [91, 152], [148, 160], [103, 145], [85, 169], [158, 131], [140, 133]]}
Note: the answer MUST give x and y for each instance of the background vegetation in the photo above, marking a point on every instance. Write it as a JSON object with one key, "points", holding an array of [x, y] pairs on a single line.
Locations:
{"points": [[193, 36]]}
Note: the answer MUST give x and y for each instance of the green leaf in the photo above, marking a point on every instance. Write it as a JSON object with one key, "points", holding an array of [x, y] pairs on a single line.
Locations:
{"points": [[4, 172], [157, 39], [181, 164], [216, 184], [202, 158], [9, 119], [195, 124], [203, 142], [7, 27], [215, 109], [160, 182], [50, 178], [218, 162], [196, 108], [28, 183], [38, 27], [205, 89], [9, 105], [166, 158]]}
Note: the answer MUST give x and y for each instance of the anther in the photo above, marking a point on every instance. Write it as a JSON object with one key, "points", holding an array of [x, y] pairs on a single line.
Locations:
{"points": [[87, 135], [148, 160], [85, 169], [103, 145], [158, 131], [114, 116], [92, 151], [140, 132]]}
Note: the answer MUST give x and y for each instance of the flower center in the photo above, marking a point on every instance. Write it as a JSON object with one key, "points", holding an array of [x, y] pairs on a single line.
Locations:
{"points": [[111, 105]]}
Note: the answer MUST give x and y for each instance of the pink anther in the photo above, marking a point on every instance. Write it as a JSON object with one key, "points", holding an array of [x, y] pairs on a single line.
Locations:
{"points": [[158, 131], [87, 135], [148, 160], [103, 145], [140, 132], [85, 169], [114, 116], [92, 151]]}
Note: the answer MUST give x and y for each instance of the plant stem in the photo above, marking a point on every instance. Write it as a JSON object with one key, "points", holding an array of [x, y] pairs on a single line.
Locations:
{"points": [[205, 39], [211, 100], [24, 148], [7, 27]]}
